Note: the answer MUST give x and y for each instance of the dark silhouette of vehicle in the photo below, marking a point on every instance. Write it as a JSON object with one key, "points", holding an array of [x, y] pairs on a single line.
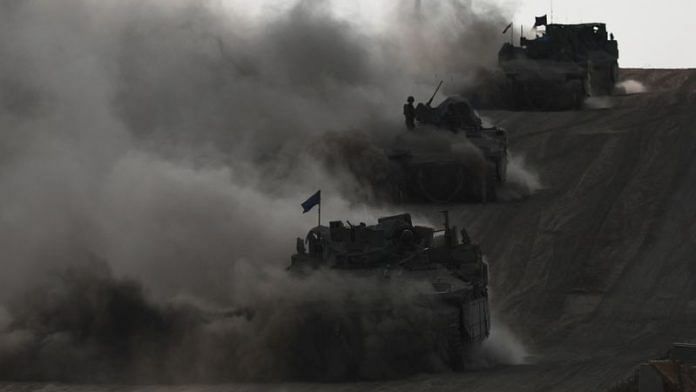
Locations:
{"points": [[396, 252], [443, 174], [560, 68]]}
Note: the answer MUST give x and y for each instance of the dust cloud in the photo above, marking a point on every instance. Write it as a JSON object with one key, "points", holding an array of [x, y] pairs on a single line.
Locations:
{"points": [[626, 87], [502, 348], [108, 328], [522, 180], [154, 155], [629, 87], [598, 103]]}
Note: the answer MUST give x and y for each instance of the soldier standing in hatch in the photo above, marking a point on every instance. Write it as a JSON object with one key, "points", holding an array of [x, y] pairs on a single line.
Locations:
{"points": [[410, 113]]}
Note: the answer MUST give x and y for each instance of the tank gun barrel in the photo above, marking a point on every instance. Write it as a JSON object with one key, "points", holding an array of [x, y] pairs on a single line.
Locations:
{"points": [[435, 93]]}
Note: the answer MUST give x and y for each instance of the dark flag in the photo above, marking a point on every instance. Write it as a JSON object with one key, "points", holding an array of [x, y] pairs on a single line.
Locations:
{"points": [[508, 27], [540, 21], [311, 202]]}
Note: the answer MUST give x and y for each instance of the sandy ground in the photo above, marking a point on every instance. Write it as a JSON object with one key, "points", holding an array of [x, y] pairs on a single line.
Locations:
{"points": [[595, 272]]}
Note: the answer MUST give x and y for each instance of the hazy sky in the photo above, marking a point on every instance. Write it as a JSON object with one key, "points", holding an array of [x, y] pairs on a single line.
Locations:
{"points": [[651, 33]]}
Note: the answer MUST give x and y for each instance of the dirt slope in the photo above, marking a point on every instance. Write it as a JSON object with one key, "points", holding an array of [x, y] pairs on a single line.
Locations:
{"points": [[599, 264], [595, 272], [606, 244]]}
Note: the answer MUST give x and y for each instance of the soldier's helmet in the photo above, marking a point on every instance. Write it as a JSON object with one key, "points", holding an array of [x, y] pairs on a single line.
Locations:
{"points": [[410, 99]]}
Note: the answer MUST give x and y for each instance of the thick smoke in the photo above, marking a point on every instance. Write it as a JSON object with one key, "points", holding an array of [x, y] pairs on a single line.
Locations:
{"points": [[173, 141], [86, 325]]}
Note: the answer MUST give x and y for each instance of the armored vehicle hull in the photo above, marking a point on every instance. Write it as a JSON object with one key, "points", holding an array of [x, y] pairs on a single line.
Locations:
{"points": [[561, 68], [396, 254], [444, 178], [470, 166]]}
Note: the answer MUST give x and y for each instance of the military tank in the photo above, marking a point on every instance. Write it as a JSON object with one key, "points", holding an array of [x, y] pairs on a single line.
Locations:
{"points": [[559, 68], [396, 252], [469, 166]]}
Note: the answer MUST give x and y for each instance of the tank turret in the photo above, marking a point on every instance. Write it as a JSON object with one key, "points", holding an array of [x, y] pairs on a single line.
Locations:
{"points": [[454, 269], [560, 67], [471, 166]]}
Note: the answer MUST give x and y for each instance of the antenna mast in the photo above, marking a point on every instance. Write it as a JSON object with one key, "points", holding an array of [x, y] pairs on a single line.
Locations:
{"points": [[551, 21]]}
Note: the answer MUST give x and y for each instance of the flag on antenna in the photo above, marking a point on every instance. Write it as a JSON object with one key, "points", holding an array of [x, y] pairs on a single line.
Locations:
{"points": [[540, 21], [508, 27], [311, 202]]}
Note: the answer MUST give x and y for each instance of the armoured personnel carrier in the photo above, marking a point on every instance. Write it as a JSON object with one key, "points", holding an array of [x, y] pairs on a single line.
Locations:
{"points": [[558, 69], [470, 167], [396, 252]]}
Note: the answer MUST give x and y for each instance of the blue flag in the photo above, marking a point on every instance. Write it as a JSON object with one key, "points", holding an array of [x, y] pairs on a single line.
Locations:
{"points": [[540, 21], [311, 202]]}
